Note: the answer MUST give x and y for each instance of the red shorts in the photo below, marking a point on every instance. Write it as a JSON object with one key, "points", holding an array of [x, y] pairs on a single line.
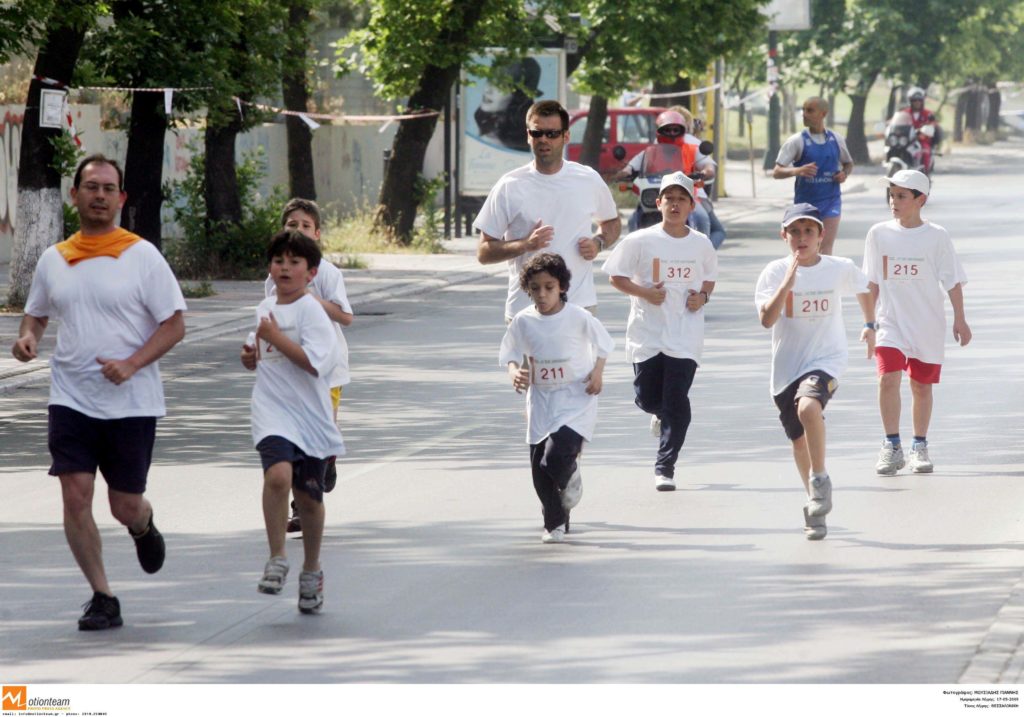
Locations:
{"points": [[890, 359]]}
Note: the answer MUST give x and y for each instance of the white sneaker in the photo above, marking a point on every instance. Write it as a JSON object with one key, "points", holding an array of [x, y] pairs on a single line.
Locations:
{"points": [[819, 501], [311, 591], [664, 483], [814, 526], [890, 459], [919, 461], [573, 490], [655, 426], [555, 535], [274, 574]]}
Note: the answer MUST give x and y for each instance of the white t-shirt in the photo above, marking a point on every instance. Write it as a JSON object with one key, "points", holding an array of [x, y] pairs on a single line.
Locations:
{"points": [[650, 256], [329, 285], [570, 200], [913, 268], [287, 401], [793, 148], [562, 349], [107, 308], [809, 335]]}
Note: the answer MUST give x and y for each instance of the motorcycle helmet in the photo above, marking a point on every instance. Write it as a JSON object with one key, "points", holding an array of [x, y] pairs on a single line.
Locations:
{"points": [[915, 93], [670, 124]]}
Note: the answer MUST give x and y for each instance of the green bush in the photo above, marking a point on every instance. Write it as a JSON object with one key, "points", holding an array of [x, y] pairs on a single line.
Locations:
{"points": [[225, 251]]}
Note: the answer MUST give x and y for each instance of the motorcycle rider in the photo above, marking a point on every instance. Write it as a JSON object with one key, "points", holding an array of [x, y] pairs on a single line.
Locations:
{"points": [[672, 129], [924, 123]]}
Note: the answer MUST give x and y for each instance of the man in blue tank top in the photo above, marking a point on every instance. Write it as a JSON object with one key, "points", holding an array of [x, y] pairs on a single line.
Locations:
{"points": [[820, 161]]}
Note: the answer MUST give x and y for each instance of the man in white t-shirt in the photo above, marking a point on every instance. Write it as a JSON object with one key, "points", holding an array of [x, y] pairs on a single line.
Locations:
{"points": [[668, 271], [910, 263], [821, 162], [120, 309], [548, 205], [799, 298]]}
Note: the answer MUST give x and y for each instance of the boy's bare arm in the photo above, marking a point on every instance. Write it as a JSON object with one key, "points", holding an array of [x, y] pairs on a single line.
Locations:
{"points": [[595, 381], [772, 309], [653, 295], [961, 331], [867, 307], [334, 312], [520, 376], [270, 332]]}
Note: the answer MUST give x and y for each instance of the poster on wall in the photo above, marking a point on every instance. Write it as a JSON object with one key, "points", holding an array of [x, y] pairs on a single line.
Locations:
{"points": [[494, 118]]}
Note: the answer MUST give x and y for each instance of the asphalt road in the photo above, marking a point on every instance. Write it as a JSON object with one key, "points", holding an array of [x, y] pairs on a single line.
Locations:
{"points": [[434, 568]]}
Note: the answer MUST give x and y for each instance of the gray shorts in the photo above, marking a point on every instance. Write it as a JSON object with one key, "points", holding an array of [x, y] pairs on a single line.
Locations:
{"points": [[815, 384]]}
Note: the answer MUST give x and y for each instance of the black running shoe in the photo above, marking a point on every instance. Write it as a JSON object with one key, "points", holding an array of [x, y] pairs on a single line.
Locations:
{"points": [[331, 474], [101, 613], [150, 547]]}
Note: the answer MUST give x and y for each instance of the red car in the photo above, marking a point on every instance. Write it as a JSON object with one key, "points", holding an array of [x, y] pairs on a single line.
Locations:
{"points": [[627, 132]]}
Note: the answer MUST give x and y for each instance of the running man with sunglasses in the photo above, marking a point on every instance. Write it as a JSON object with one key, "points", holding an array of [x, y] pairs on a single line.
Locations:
{"points": [[550, 204]]}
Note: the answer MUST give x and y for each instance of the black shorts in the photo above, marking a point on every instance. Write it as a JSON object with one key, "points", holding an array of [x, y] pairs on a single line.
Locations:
{"points": [[121, 448], [815, 384], [307, 471]]}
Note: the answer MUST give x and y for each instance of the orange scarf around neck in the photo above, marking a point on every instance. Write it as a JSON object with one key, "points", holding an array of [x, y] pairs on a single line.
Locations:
{"points": [[78, 247]]}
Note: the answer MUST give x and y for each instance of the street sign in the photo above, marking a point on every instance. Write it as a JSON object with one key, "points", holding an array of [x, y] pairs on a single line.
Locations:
{"points": [[788, 14]]}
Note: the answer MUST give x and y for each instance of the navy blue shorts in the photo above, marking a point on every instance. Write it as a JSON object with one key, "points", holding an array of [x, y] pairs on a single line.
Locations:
{"points": [[121, 448], [307, 471]]}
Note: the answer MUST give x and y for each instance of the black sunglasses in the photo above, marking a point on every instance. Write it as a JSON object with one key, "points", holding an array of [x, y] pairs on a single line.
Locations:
{"points": [[671, 131], [549, 133]]}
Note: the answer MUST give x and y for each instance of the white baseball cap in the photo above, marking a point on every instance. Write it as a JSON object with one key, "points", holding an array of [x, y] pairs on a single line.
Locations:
{"points": [[676, 179], [911, 179]]}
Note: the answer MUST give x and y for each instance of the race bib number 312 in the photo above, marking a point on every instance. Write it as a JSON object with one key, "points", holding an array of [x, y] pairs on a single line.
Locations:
{"points": [[674, 271]]}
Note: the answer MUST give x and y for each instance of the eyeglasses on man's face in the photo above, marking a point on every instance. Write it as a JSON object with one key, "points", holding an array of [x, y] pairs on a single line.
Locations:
{"points": [[549, 133]]}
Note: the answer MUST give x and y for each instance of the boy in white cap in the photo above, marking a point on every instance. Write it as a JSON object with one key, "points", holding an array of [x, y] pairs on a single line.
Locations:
{"points": [[909, 262], [669, 271], [799, 298]]}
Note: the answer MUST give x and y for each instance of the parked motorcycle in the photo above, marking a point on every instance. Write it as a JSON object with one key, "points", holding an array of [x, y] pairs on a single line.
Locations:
{"points": [[903, 148], [659, 160]]}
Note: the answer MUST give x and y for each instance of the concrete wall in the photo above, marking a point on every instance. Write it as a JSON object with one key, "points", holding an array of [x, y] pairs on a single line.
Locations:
{"points": [[348, 160]]}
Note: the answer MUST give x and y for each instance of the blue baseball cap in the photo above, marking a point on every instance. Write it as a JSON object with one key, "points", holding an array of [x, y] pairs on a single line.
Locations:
{"points": [[801, 211]]}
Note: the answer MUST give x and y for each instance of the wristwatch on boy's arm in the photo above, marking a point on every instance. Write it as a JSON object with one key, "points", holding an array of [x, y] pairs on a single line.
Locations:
{"points": [[707, 297]]}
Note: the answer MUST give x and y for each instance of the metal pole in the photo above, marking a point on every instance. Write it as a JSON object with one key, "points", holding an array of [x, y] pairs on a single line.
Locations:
{"points": [[718, 187], [457, 126], [448, 166], [774, 112]]}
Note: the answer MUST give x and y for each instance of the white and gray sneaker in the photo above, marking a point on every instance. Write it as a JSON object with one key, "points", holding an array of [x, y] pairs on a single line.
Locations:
{"points": [[555, 535], [814, 526], [819, 501], [664, 483], [655, 426], [573, 490], [311, 591], [890, 459], [919, 461], [275, 572]]}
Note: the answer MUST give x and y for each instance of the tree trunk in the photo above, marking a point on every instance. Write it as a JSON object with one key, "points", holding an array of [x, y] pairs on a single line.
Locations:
{"points": [[995, 101], [396, 212], [301, 178], [856, 139], [142, 170], [223, 203], [590, 152], [39, 218], [890, 108], [958, 117], [972, 113]]}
